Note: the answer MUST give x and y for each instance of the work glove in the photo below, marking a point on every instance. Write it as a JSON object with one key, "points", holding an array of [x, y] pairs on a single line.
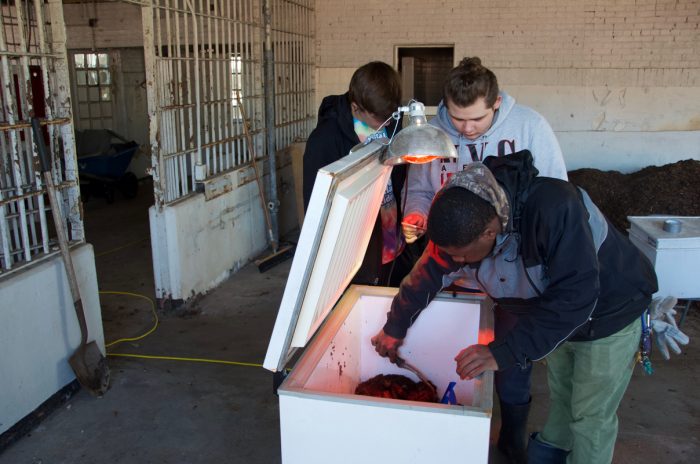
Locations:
{"points": [[663, 326]]}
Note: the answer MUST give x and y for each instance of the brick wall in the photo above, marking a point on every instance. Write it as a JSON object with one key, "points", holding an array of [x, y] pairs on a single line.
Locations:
{"points": [[619, 80], [117, 25], [568, 42]]}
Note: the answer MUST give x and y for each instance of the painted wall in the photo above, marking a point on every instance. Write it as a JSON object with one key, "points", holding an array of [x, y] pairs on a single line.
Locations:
{"points": [[198, 243], [616, 79], [36, 343]]}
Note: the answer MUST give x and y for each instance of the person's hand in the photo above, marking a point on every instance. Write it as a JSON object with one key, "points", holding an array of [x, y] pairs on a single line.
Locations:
{"points": [[413, 226], [386, 345], [474, 361], [663, 326]]}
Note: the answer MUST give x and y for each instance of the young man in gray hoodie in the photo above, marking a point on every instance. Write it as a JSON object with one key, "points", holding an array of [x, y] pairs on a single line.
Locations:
{"points": [[483, 121]]}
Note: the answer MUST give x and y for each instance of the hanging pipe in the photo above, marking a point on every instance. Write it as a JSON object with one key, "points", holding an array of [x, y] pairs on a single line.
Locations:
{"points": [[269, 76]]}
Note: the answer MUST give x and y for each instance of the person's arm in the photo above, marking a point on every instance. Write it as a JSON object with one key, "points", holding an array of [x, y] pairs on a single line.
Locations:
{"points": [[546, 152], [419, 189], [417, 289], [419, 195], [564, 240]]}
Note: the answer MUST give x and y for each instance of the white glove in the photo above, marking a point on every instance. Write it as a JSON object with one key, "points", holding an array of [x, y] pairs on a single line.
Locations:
{"points": [[662, 308], [664, 328]]}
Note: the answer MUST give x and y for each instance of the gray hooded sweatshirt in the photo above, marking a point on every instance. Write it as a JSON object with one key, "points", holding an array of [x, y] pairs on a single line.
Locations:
{"points": [[515, 127]]}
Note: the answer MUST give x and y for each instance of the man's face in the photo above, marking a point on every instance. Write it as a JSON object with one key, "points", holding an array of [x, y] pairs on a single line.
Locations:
{"points": [[474, 120], [371, 119], [478, 249]]}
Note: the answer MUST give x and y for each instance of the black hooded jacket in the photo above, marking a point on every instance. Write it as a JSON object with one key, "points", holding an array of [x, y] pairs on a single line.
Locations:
{"points": [[559, 265], [331, 140]]}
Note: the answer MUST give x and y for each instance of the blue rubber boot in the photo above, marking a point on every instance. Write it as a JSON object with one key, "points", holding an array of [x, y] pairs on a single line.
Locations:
{"points": [[543, 453]]}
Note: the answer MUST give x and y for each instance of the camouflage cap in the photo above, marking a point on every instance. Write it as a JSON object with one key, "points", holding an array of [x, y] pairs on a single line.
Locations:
{"points": [[478, 179]]}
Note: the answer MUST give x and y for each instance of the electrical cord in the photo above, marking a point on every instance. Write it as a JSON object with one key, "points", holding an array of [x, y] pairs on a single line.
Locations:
{"points": [[140, 337], [151, 330]]}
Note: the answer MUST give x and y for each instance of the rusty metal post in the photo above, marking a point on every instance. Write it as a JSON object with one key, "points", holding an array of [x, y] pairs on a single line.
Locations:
{"points": [[269, 79]]}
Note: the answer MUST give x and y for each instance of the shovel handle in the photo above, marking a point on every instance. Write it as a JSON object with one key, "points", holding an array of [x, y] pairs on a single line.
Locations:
{"points": [[399, 361], [60, 228], [40, 145]]}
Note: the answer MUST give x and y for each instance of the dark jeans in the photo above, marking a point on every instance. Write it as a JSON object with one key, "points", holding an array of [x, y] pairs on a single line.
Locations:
{"points": [[512, 384]]}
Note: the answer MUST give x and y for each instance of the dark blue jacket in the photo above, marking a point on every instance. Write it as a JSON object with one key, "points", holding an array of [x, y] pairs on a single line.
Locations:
{"points": [[560, 265]]}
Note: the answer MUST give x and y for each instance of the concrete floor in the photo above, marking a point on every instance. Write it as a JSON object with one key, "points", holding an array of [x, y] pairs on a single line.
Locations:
{"points": [[187, 412]]}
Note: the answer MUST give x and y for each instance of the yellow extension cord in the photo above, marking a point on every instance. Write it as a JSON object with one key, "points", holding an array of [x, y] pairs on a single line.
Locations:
{"points": [[152, 329]]}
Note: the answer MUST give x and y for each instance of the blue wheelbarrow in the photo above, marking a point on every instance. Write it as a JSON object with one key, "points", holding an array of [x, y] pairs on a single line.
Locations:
{"points": [[103, 160]]}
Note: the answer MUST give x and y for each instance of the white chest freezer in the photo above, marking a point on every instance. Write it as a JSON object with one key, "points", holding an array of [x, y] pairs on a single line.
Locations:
{"points": [[321, 419], [674, 254]]}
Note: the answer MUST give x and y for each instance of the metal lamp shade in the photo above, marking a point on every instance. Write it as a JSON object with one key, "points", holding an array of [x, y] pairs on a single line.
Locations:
{"points": [[419, 143]]}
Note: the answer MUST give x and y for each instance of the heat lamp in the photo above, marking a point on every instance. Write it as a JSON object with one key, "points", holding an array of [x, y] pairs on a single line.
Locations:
{"points": [[418, 142]]}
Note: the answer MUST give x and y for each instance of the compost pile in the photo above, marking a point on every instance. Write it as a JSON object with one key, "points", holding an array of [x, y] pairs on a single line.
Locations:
{"points": [[397, 387], [672, 189]]}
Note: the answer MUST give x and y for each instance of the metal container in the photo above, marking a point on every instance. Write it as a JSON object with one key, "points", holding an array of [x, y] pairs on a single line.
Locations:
{"points": [[321, 419], [672, 244]]}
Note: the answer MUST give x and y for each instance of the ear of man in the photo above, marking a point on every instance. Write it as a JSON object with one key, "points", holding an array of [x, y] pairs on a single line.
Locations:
{"points": [[493, 228]]}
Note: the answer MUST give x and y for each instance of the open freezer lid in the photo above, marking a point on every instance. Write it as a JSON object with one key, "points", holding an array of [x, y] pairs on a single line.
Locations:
{"points": [[337, 227]]}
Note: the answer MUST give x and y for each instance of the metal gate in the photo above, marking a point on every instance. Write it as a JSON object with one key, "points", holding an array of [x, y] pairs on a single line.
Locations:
{"points": [[34, 79], [293, 32], [202, 56]]}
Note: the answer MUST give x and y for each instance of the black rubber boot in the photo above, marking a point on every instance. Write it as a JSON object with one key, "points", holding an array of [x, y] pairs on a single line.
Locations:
{"points": [[543, 453], [512, 440]]}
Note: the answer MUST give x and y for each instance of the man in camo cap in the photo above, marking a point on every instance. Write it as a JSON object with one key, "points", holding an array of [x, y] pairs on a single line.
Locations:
{"points": [[543, 251]]}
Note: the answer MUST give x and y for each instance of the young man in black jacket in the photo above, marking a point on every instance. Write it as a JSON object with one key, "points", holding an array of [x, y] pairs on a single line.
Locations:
{"points": [[345, 121], [542, 250]]}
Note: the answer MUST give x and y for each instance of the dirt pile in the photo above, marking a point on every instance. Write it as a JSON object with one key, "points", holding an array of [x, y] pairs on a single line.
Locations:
{"points": [[672, 189]]}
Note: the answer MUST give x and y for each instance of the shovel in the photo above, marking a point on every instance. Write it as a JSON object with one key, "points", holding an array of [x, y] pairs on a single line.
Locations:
{"points": [[88, 362], [279, 253], [402, 363]]}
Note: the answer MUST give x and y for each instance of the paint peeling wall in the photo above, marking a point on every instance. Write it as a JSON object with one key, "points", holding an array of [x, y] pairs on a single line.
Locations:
{"points": [[198, 243], [36, 343], [616, 79]]}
